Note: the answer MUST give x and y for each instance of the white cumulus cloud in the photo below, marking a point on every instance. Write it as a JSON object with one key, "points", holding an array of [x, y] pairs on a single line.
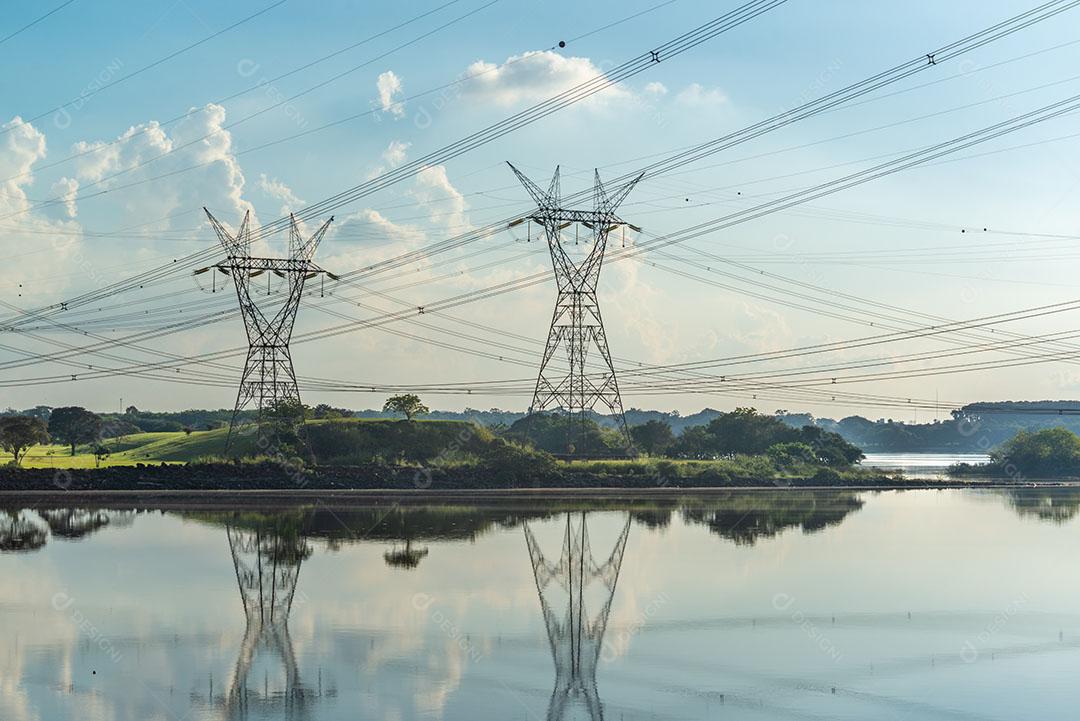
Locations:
{"points": [[698, 96], [656, 88], [166, 174], [532, 76], [444, 202], [280, 191], [394, 155], [38, 237], [65, 191], [389, 86]]}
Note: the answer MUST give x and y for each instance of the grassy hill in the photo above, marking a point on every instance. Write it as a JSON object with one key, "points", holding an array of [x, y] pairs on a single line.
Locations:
{"points": [[129, 450], [341, 442]]}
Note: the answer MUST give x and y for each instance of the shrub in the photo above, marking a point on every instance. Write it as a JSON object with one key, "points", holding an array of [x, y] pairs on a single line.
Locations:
{"points": [[1051, 451], [827, 476], [791, 455]]}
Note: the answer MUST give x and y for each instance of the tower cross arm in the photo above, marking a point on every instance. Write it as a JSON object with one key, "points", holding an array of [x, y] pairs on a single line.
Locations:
{"points": [[281, 265], [567, 215]]}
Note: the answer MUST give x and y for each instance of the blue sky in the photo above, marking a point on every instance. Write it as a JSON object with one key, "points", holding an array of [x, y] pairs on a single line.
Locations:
{"points": [[898, 238]]}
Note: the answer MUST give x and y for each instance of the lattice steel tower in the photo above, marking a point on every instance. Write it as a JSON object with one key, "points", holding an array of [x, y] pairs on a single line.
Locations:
{"points": [[577, 635], [268, 379], [576, 324]]}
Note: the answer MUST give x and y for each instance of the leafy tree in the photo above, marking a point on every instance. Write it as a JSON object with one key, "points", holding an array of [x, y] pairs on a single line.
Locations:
{"points": [[41, 412], [73, 425], [740, 431], [830, 448], [1051, 451], [791, 455], [101, 452], [653, 437], [553, 432], [281, 427], [745, 431], [695, 443], [408, 403], [19, 433], [328, 412]]}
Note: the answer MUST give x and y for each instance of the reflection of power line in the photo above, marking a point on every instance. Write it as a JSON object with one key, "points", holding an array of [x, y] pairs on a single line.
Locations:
{"points": [[267, 568], [578, 635]]}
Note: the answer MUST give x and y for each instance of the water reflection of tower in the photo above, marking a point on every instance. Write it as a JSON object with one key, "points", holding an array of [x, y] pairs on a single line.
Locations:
{"points": [[267, 567], [576, 584]]}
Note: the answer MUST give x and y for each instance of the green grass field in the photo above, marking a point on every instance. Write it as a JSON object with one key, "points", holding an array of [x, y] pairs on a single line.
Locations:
{"points": [[127, 451], [178, 447]]}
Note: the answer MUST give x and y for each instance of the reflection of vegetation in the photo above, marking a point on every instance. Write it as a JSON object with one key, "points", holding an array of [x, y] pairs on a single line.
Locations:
{"points": [[27, 531], [278, 536], [653, 518], [407, 557], [286, 550], [746, 517], [74, 522], [740, 516], [1056, 505], [19, 533], [394, 523]]}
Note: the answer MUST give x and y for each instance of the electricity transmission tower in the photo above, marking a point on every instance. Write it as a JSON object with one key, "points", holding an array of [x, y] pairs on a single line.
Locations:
{"points": [[577, 635], [576, 325], [268, 381]]}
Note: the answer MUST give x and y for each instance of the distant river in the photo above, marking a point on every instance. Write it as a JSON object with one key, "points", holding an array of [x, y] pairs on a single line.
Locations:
{"points": [[921, 465]]}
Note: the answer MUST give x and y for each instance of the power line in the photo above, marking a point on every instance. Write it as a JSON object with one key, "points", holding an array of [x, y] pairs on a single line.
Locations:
{"points": [[994, 32], [536, 112], [37, 20], [81, 196], [97, 148], [809, 109], [105, 86]]}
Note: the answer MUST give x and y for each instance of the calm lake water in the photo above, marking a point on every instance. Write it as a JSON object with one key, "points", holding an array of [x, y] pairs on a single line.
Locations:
{"points": [[782, 605]]}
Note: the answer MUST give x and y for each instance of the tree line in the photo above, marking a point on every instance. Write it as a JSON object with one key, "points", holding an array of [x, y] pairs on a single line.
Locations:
{"points": [[70, 425]]}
